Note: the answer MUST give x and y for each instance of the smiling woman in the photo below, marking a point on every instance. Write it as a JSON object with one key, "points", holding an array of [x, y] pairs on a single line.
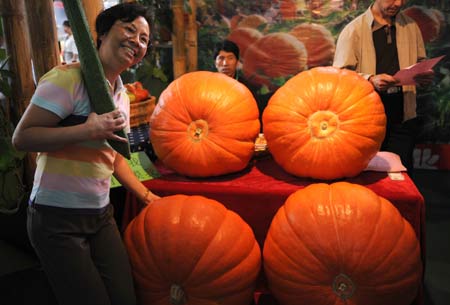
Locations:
{"points": [[75, 164], [128, 40]]}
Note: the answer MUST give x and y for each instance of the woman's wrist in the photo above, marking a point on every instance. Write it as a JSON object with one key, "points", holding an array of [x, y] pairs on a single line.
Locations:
{"points": [[147, 197]]}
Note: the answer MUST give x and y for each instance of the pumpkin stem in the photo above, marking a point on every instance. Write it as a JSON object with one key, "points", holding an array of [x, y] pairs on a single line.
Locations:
{"points": [[197, 130], [177, 295], [343, 286], [323, 124]]}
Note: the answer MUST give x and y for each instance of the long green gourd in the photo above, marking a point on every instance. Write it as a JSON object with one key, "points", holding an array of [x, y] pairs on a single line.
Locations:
{"points": [[92, 70]]}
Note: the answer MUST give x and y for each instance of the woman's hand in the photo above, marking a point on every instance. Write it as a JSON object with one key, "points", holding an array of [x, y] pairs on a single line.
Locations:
{"points": [[149, 197], [104, 126]]}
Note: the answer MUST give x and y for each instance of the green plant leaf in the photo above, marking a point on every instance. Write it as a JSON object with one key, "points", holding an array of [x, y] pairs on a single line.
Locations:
{"points": [[159, 73], [280, 81], [8, 155], [3, 62], [264, 90], [5, 88], [6, 73], [144, 68], [187, 7]]}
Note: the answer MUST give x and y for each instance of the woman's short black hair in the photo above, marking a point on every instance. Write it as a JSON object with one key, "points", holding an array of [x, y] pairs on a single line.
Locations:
{"points": [[227, 46], [125, 12]]}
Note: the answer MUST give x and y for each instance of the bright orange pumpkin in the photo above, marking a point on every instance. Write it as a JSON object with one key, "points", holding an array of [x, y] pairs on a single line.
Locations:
{"points": [[324, 123], [192, 250], [341, 244], [205, 124]]}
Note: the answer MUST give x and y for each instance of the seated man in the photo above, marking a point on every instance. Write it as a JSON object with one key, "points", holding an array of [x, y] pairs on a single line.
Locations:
{"points": [[226, 58]]}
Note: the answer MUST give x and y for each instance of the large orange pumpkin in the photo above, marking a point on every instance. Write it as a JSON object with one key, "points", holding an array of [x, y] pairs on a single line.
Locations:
{"points": [[205, 124], [276, 55], [324, 123], [341, 244], [191, 250], [318, 41]]}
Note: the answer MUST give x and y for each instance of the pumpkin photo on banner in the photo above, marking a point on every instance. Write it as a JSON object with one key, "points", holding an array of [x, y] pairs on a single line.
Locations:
{"points": [[341, 244], [205, 124], [191, 250], [271, 57], [318, 41], [324, 123]]}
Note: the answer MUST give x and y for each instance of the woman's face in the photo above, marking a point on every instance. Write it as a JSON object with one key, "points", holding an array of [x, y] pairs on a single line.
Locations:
{"points": [[126, 43]]}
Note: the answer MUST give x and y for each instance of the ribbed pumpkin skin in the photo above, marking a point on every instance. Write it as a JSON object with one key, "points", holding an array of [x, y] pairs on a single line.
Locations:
{"points": [[427, 20], [244, 37], [324, 123], [205, 124], [318, 41], [342, 235], [253, 21], [196, 243]]}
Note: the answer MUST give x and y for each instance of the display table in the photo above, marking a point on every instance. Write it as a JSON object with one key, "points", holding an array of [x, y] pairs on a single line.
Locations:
{"points": [[257, 193]]}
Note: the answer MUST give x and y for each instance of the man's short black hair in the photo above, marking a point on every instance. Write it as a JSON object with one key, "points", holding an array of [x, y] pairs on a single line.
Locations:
{"points": [[227, 46]]}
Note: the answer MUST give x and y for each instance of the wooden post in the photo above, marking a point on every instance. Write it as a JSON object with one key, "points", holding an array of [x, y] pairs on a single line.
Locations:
{"points": [[91, 9], [191, 37], [178, 40], [19, 50], [43, 36]]}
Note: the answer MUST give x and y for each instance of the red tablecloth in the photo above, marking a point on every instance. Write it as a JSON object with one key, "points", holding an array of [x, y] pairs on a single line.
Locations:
{"points": [[258, 192]]}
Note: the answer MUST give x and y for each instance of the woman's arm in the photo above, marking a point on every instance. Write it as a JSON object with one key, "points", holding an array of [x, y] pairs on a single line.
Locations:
{"points": [[38, 130], [128, 179]]}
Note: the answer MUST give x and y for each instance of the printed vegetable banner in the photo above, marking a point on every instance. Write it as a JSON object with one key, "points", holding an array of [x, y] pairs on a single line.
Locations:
{"points": [[278, 39]]}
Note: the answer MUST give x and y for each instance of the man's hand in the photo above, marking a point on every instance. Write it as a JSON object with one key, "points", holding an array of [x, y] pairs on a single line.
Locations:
{"points": [[425, 78], [382, 82]]}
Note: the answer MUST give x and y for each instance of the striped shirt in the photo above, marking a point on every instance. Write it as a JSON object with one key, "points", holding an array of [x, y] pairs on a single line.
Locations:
{"points": [[77, 176]]}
